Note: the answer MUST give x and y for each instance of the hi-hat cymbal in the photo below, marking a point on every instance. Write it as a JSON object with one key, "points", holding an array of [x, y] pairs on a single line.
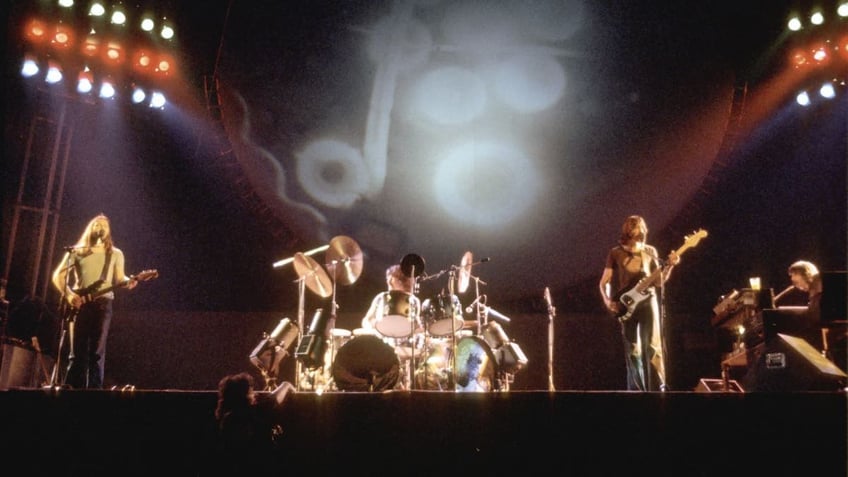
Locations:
{"points": [[412, 265], [344, 260], [465, 272], [314, 276]]}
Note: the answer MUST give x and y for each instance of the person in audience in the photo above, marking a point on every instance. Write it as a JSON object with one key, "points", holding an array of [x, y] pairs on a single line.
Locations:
{"points": [[249, 433]]}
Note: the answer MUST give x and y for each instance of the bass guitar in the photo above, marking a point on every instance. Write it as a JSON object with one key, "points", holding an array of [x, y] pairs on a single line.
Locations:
{"points": [[93, 291], [641, 290]]}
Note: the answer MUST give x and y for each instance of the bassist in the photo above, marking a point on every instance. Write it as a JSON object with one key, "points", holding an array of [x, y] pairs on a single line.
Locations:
{"points": [[91, 265], [626, 263]]}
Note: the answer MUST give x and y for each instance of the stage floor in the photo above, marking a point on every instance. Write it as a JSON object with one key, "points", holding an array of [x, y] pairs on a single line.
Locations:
{"points": [[172, 432]]}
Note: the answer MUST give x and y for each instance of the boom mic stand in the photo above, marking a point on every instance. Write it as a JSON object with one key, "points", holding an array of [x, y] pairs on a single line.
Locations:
{"points": [[551, 315]]}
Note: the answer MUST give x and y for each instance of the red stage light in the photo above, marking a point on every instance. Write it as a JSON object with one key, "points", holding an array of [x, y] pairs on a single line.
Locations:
{"points": [[114, 53], [90, 47], [36, 31], [63, 37]]}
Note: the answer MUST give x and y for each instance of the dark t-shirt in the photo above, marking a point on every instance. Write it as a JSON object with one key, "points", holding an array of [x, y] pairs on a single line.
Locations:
{"points": [[628, 267]]}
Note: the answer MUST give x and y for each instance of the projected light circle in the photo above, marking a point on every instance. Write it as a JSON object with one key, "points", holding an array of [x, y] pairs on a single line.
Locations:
{"points": [[486, 184], [332, 173], [530, 83], [450, 95]]}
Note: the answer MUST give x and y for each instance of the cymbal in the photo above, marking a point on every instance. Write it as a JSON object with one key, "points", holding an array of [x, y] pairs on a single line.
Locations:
{"points": [[412, 265], [344, 260], [465, 272], [314, 276]]}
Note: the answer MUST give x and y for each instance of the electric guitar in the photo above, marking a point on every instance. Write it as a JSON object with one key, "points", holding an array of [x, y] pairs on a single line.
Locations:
{"points": [[641, 290], [91, 292]]}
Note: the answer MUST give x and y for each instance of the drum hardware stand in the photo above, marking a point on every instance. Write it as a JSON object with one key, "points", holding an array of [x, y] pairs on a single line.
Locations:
{"points": [[413, 320], [551, 315], [301, 292], [454, 331]]}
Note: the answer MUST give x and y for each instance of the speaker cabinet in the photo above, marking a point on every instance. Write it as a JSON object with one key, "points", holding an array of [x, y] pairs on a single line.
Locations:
{"points": [[789, 363]]}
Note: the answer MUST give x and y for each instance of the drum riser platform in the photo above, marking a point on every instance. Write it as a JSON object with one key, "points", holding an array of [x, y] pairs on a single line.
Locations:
{"points": [[428, 433]]}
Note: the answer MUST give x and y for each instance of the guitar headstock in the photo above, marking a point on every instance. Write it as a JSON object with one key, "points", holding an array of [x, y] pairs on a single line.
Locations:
{"points": [[695, 237], [146, 275]]}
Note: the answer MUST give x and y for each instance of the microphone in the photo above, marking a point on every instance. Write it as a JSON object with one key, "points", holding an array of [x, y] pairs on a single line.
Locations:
{"points": [[781, 294], [496, 314], [547, 296]]}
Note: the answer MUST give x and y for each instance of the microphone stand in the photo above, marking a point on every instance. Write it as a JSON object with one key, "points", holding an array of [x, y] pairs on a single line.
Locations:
{"points": [[67, 315], [551, 315], [662, 373]]}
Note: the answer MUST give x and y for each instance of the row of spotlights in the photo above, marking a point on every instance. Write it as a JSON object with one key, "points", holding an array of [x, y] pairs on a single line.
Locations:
{"points": [[816, 18], [118, 17], [113, 52], [85, 84], [827, 91]]}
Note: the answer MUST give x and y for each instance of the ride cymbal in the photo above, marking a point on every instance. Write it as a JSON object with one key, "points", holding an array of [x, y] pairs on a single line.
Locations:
{"points": [[344, 260], [313, 275]]}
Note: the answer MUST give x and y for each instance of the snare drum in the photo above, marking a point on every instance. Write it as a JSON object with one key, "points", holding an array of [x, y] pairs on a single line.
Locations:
{"points": [[442, 315]]}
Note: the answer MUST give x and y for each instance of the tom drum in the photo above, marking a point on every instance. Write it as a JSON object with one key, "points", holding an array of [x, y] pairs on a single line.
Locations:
{"points": [[442, 315], [396, 314]]}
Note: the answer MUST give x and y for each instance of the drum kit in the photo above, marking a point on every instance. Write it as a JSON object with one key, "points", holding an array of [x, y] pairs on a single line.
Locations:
{"points": [[414, 344]]}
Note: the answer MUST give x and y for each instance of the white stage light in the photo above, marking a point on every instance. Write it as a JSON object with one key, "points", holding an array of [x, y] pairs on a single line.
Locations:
{"points": [[147, 24], [803, 98], [107, 91], [167, 32], [138, 95], [29, 68], [118, 17], [54, 75], [827, 91], [157, 100], [84, 84], [96, 10]]}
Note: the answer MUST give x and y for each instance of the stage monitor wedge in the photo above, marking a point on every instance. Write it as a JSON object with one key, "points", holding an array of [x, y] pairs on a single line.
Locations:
{"points": [[790, 363]]}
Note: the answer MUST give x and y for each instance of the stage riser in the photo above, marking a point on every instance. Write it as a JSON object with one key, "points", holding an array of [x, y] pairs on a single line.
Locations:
{"points": [[422, 433]]}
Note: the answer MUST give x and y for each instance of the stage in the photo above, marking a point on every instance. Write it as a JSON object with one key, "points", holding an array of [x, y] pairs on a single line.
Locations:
{"points": [[169, 432]]}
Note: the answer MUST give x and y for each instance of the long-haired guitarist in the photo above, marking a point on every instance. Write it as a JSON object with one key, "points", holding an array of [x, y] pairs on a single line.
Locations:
{"points": [[627, 263], [86, 278]]}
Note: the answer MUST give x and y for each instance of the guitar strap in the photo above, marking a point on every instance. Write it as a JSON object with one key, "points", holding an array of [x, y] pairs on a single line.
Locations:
{"points": [[646, 262]]}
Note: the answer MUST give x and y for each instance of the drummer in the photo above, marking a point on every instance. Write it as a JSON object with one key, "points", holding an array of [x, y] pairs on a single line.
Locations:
{"points": [[396, 281], [391, 317]]}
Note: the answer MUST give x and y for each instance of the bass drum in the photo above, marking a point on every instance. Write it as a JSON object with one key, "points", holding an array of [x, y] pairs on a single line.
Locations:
{"points": [[366, 364], [476, 366]]}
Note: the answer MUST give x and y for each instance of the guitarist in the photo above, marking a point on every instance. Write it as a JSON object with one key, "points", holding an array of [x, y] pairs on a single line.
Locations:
{"points": [[91, 265], [626, 263]]}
